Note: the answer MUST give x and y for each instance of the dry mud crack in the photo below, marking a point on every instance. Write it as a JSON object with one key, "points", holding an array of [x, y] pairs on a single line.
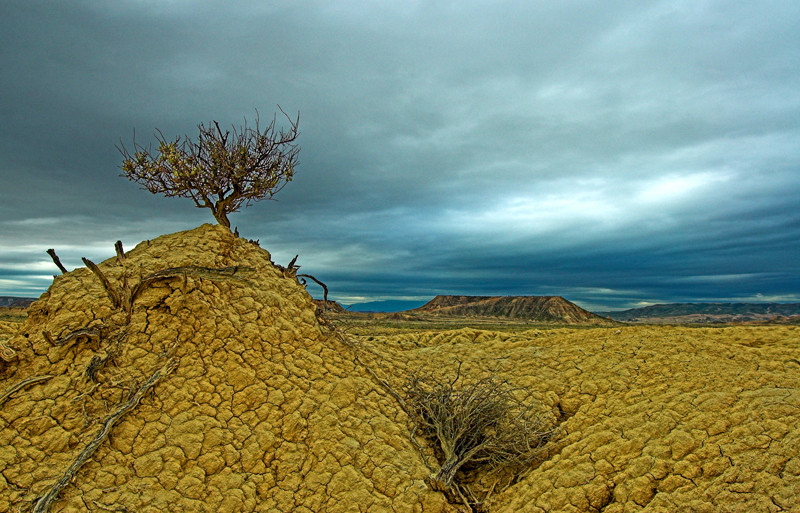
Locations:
{"points": [[267, 410], [659, 419]]}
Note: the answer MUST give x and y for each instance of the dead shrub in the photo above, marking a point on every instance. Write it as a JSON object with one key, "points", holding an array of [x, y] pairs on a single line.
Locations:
{"points": [[485, 423]]}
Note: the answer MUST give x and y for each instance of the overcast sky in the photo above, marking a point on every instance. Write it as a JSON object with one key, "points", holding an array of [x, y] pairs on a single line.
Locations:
{"points": [[617, 153]]}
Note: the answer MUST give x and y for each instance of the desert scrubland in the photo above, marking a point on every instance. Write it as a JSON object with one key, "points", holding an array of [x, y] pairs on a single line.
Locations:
{"points": [[201, 378]]}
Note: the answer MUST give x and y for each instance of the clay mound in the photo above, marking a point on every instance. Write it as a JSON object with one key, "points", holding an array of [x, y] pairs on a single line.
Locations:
{"points": [[656, 419], [217, 390], [547, 309]]}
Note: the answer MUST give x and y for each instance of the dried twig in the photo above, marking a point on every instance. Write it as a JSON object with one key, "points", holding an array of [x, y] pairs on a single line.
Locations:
{"points": [[113, 295], [56, 260], [90, 333], [183, 272], [22, 384], [291, 269], [43, 503], [324, 287], [120, 251]]}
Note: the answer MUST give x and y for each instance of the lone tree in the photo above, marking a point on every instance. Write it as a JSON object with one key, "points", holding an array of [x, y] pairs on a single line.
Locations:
{"points": [[220, 170]]}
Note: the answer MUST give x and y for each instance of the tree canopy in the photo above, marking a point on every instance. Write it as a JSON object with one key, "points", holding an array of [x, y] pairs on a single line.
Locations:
{"points": [[219, 170]]}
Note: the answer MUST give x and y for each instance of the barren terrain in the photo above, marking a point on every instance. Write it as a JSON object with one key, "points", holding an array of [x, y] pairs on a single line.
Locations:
{"points": [[13, 314], [654, 418], [214, 386]]}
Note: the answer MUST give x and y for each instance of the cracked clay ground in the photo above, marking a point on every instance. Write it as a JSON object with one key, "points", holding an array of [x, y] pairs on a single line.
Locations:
{"points": [[218, 390]]}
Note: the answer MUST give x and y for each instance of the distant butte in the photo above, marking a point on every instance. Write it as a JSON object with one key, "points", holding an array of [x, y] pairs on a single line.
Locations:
{"points": [[549, 309]]}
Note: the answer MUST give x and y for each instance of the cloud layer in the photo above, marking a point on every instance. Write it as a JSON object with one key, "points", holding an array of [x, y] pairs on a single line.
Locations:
{"points": [[617, 154]]}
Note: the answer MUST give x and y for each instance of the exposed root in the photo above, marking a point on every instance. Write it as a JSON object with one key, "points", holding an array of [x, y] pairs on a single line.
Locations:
{"points": [[22, 384], [353, 345], [113, 295], [43, 503], [90, 334], [183, 272], [94, 365], [324, 287], [291, 271], [6, 353], [124, 297], [120, 251]]}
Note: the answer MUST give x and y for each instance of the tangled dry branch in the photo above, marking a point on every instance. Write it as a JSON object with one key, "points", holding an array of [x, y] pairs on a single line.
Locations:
{"points": [[124, 296], [482, 423], [291, 270]]}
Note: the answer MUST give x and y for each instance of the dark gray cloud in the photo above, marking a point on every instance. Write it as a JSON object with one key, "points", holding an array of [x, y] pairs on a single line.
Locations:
{"points": [[616, 153]]}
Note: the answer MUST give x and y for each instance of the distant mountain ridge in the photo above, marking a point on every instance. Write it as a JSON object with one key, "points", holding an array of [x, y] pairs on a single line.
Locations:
{"points": [[16, 302], [550, 309], [707, 312]]}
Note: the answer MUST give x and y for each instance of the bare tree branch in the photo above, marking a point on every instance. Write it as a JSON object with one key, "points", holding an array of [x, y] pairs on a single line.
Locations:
{"points": [[113, 295], [57, 261], [120, 251], [324, 287]]}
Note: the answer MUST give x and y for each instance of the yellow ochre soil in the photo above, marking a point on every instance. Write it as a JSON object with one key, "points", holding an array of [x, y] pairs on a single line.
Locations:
{"points": [[257, 406], [657, 419]]}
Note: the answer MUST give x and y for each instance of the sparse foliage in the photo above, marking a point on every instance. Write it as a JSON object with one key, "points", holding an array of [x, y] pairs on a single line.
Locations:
{"points": [[480, 423], [220, 170]]}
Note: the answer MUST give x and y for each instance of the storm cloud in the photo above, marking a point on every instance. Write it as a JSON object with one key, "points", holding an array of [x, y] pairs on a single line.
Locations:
{"points": [[618, 153]]}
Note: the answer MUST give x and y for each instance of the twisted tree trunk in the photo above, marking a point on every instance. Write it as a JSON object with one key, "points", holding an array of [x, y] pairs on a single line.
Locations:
{"points": [[221, 216]]}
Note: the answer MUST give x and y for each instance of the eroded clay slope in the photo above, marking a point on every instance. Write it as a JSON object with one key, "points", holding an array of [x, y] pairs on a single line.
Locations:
{"points": [[651, 419], [7, 330], [237, 399]]}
